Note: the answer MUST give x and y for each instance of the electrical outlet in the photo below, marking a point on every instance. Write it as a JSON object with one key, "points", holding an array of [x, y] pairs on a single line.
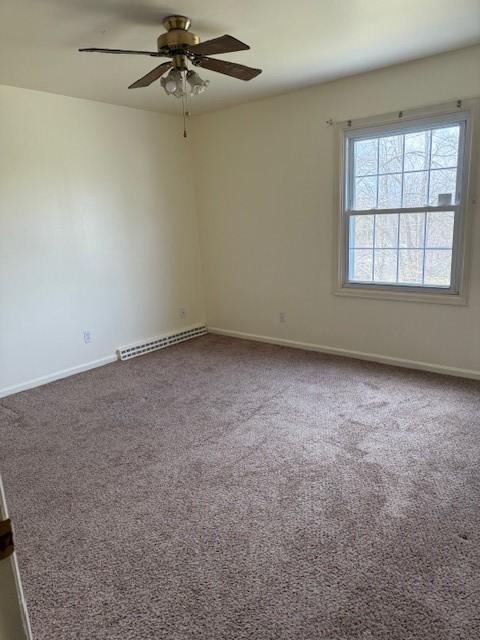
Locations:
{"points": [[182, 312], [282, 316], [87, 336]]}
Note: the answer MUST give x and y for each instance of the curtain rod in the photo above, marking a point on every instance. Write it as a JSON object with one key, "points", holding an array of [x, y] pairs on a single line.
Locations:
{"points": [[399, 114]]}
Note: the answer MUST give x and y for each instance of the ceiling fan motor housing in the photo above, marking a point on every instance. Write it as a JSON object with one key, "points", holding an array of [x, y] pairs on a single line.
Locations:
{"points": [[178, 37]]}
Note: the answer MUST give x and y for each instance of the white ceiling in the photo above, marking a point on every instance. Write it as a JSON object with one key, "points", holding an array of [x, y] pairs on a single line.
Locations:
{"points": [[296, 43]]}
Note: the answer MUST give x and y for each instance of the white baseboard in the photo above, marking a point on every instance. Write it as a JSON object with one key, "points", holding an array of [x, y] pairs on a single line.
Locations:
{"points": [[359, 355], [64, 373]]}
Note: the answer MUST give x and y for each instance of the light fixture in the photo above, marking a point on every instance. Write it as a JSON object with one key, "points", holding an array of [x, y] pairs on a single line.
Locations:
{"points": [[197, 85], [173, 83]]}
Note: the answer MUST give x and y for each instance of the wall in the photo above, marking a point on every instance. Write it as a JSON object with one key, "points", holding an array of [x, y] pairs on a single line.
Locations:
{"points": [[98, 226], [98, 231], [265, 185]]}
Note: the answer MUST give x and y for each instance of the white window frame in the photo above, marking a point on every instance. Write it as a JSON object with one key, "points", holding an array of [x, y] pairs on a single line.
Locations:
{"points": [[399, 123]]}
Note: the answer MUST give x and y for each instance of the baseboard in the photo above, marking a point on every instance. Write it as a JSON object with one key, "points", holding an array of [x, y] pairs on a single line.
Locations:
{"points": [[64, 373], [359, 355]]}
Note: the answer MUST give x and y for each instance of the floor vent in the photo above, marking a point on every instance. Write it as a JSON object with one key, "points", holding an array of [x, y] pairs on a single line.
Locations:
{"points": [[125, 353]]}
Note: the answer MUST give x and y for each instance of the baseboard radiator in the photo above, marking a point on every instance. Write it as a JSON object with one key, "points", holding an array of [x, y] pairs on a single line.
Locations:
{"points": [[139, 349]]}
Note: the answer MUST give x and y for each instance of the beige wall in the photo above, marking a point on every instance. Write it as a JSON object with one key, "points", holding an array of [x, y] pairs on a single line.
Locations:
{"points": [[265, 182], [98, 231]]}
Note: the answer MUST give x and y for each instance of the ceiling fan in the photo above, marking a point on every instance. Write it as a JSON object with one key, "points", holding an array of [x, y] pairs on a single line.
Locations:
{"points": [[184, 47]]}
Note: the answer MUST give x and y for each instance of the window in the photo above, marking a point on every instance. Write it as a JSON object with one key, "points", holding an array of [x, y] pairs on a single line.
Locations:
{"points": [[403, 205]]}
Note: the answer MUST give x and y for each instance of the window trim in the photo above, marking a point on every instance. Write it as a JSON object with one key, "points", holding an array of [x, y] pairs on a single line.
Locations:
{"points": [[419, 119]]}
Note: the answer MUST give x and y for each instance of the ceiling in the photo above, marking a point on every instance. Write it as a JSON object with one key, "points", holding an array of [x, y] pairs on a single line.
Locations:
{"points": [[296, 43]]}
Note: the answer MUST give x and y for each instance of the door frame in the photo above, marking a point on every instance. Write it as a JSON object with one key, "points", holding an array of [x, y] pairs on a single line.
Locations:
{"points": [[14, 620]]}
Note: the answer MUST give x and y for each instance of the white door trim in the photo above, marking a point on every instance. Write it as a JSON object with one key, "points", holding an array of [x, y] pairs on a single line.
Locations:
{"points": [[14, 621]]}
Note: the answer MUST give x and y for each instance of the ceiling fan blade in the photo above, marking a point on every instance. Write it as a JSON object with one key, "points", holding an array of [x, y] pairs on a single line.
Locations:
{"points": [[223, 44], [154, 54], [233, 69], [151, 76]]}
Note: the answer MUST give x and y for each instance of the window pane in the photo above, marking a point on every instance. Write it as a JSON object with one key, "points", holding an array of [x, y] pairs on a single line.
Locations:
{"points": [[365, 157], [445, 147], [442, 181], [438, 265], [386, 230], [417, 150], [415, 187], [385, 265], [410, 266], [440, 229], [390, 191], [361, 232], [412, 228], [365, 196], [361, 265], [390, 150], [394, 171]]}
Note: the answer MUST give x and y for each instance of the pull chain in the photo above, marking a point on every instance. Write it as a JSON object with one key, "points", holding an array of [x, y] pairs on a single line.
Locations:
{"points": [[184, 120], [184, 97]]}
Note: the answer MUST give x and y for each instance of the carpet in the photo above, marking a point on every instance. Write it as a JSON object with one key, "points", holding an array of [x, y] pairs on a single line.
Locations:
{"points": [[223, 489]]}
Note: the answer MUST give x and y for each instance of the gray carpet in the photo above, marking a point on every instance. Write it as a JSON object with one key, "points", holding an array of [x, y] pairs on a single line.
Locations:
{"points": [[222, 489]]}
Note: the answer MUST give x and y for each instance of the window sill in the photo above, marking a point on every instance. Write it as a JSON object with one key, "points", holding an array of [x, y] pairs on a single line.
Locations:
{"points": [[402, 296]]}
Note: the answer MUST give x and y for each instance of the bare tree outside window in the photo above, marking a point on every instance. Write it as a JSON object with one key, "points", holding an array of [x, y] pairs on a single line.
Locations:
{"points": [[402, 198]]}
